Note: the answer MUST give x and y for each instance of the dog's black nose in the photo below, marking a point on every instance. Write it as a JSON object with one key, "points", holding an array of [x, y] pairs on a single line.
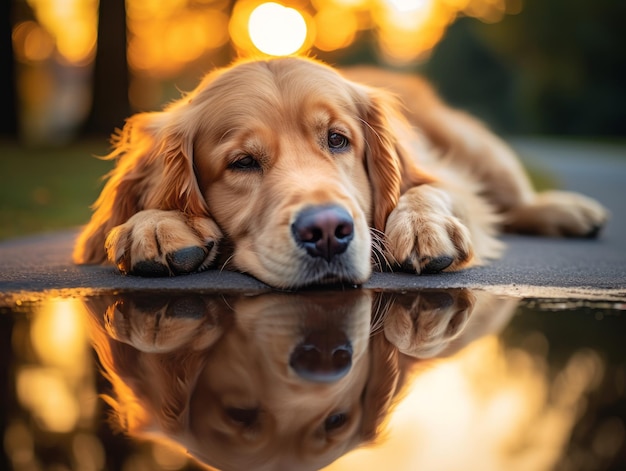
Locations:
{"points": [[322, 357], [324, 231]]}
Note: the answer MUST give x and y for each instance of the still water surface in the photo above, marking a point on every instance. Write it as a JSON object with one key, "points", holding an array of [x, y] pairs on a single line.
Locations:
{"points": [[337, 380]]}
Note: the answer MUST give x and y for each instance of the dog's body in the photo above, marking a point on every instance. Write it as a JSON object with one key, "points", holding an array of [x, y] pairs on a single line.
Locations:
{"points": [[295, 174]]}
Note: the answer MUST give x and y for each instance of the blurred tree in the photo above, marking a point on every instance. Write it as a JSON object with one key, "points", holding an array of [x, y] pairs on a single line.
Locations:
{"points": [[559, 64], [111, 77], [8, 85], [471, 76], [572, 58]]}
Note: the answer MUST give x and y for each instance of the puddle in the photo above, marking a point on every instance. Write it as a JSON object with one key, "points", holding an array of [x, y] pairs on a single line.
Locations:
{"points": [[337, 380]]}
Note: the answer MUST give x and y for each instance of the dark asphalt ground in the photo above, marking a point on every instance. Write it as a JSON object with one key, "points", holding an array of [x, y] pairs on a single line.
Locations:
{"points": [[530, 267]]}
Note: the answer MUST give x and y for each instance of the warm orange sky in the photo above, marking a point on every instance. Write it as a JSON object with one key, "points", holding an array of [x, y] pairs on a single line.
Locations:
{"points": [[165, 35]]}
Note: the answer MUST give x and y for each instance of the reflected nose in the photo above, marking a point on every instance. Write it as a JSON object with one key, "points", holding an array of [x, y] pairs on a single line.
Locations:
{"points": [[324, 231], [322, 357]]}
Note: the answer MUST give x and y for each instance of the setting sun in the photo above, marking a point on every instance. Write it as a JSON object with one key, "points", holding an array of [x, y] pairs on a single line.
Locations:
{"points": [[277, 30]]}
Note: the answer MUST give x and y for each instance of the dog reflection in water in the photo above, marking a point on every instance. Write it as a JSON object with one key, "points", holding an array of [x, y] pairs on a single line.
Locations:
{"points": [[275, 381]]}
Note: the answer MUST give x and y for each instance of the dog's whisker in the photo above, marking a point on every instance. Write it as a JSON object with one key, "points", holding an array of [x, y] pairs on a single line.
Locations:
{"points": [[381, 253], [371, 128], [380, 308], [226, 262], [225, 301]]}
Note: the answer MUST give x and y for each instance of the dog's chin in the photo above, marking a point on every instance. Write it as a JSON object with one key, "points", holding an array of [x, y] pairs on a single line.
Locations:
{"points": [[330, 282], [313, 276], [341, 272]]}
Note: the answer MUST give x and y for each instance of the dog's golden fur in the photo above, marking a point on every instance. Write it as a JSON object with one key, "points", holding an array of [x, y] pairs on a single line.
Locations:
{"points": [[218, 178]]}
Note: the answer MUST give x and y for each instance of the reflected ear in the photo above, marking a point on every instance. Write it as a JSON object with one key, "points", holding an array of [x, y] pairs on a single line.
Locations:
{"points": [[154, 170], [382, 386], [390, 168]]}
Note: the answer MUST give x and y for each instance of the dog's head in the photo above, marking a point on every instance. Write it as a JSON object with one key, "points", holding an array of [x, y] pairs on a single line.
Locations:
{"points": [[293, 162]]}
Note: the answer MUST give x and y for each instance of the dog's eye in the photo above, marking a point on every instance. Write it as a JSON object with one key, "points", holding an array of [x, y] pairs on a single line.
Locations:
{"points": [[246, 162], [245, 417], [337, 142], [335, 421]]}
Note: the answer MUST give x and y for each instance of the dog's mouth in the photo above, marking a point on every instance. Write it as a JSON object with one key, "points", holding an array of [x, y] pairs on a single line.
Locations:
{"points": [[328, 281], [323, 247], [317, 273], [332, 282]]}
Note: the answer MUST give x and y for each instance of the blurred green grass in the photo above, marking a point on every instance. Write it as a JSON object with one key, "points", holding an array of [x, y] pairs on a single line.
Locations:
{"points": [[44, 190]]}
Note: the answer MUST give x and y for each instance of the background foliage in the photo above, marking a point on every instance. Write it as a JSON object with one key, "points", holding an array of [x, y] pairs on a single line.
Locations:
{"points": [[558, 67]]}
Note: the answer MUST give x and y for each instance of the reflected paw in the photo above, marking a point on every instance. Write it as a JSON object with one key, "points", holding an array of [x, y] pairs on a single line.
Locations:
{"points": [[423, 324]]}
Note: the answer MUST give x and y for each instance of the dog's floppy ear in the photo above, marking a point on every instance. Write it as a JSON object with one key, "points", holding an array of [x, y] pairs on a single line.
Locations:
{"points": [[382, 386], [389, 166], [154, 170]]}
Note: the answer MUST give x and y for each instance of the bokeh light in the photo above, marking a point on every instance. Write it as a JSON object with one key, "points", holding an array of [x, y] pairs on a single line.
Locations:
{"points": [[277, 30], [32, 43], [500, 410], [336, 28], [165, 36], [53, 387], [72, 24], [171, 43]]}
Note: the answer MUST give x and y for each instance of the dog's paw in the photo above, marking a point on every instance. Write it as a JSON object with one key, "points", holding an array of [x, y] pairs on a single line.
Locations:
{"points": [[423, 325], [163, 243], [558, 214], [423, 235], [164, 323]]}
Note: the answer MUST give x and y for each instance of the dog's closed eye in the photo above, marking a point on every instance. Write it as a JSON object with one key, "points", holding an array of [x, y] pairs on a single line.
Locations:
{"points": [[335, 421], [245, 163], [244, 417]]}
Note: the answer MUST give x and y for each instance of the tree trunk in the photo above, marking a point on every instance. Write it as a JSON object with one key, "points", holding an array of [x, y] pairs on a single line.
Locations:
{"points": [[110, 105], [8, 84]]}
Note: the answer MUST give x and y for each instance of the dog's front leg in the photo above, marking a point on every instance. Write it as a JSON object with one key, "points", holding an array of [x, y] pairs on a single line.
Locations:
{"points": [[163, 243], [424, 235]]}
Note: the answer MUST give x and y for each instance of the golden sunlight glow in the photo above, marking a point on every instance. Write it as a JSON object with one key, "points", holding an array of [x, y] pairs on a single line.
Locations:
{"points": [[49, 398], [58, 334], [406, 6], [408, 28], [487, 407], [31, 42], [58, 390], [277, 30], [165, 36], [336, 28], [72, 23]]}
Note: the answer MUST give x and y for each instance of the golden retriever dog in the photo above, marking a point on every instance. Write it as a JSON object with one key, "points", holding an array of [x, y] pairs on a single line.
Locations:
{"points": [[289, 171], [275, 381]]}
